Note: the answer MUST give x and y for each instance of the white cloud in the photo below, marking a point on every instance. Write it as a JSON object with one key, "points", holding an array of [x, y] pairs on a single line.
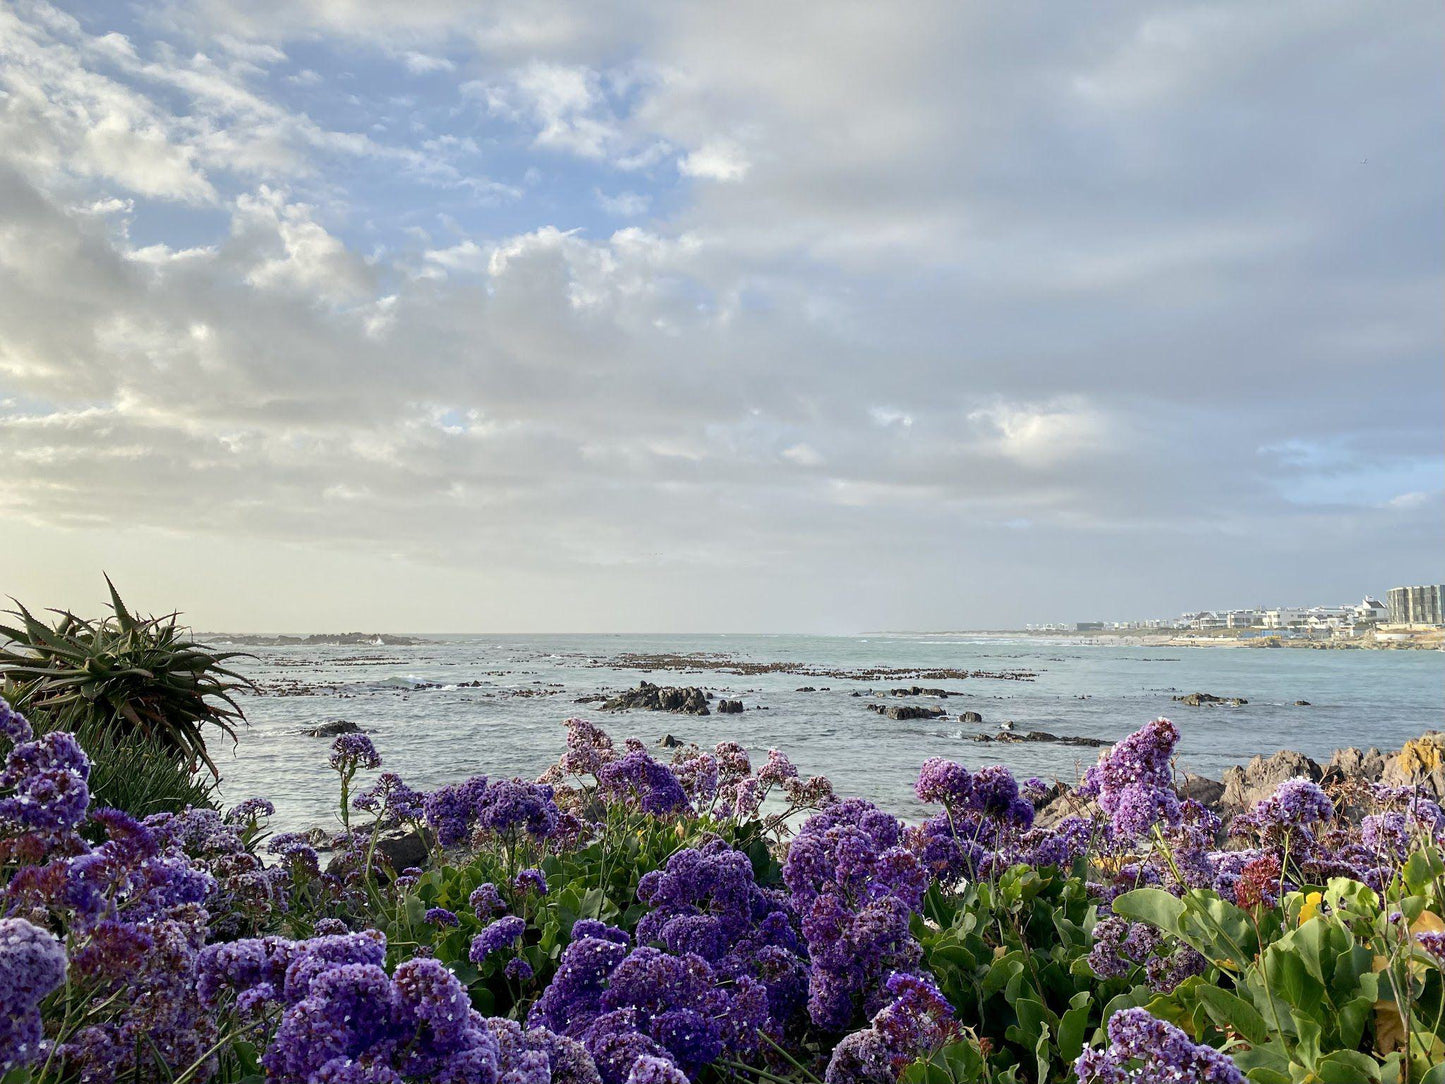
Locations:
{"points": [[716, 160], [623, 204]]}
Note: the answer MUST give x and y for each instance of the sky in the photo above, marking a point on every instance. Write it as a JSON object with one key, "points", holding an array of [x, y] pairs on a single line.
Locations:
{"points": [[614, 316]]}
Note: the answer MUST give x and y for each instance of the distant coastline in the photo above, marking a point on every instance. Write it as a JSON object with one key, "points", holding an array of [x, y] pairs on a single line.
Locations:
{"points": [[1418, 639], [319, 639]]}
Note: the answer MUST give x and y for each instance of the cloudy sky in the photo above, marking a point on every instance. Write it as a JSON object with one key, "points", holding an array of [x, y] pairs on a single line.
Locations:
{"points": [[447, 315]]}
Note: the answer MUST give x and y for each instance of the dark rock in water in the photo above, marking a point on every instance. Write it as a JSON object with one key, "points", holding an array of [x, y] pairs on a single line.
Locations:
{"points": [[805, 689], [1256, 780], [333, 728], [667, 741], [970, 717], [650, 697], [1302, 703], [915, 690], [1195, 700], [729, 707], [908, 711], [1040, 735]]}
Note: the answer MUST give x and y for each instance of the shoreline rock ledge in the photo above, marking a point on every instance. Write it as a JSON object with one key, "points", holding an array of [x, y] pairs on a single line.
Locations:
{"points": [[649, 697], [1419, 763]]}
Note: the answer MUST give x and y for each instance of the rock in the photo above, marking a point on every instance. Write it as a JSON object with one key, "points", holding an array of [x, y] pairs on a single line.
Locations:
{"points": [[1195, 700], [650, 697], [1207, 792], [1067, 804], [916, 690], [970, 717], [667, 741], [403, 848], [907, 711], [1040, 735], [1352, 764], [1301, 703], [729, 707], [1243, 787], [1420, 763], [333, 728], [805, 689]]}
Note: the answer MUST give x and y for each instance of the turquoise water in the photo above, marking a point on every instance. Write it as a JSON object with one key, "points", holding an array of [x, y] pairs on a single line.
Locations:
{"points": [[511, 723]]}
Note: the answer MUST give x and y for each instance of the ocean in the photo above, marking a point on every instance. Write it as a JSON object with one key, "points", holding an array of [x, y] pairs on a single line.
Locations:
{"points": [[494, 705]]}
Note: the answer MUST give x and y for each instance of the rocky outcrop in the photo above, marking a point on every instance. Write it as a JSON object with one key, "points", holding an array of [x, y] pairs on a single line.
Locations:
{"points": [[650, 697], [730, 707], [970, 717], [1195, 700], [1040, 735], [333, 728], [1256, 780], [1207, 792], [667, 741], [1420, 763], [916, 690], [908, 711]]}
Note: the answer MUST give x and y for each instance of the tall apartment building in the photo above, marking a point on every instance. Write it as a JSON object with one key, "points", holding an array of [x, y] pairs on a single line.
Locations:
{"points": [[1420, 605]]}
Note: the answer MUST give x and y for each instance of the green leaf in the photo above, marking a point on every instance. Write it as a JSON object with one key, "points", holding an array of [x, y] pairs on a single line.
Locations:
{"points": [[1231, 1011]]}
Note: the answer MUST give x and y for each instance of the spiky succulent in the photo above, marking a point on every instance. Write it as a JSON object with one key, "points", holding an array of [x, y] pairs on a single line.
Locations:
{"points": [[128, 673]]}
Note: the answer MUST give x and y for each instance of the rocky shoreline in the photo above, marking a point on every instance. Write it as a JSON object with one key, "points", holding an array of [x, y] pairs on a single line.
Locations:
{"points": [[1418, 765]]}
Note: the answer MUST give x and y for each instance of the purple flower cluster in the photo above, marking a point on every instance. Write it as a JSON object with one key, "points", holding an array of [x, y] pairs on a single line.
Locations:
{"points": [[343, 1018], [352, 751], [639, 782], [985, 824], [626, 1005], [917, 1021], [32, 963], [507, 809], [1134, 781], [854, 883], [390, 800], [1120, 946], [589, 749], [1144, 1049], [707, 902], [496, 936], [44, 792]]}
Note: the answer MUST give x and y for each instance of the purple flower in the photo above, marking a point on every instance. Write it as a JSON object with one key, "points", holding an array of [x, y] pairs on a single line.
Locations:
{"points": [[451, 811], [510, 805], [943, 781], [485, 900], [252, 809], [1133, 781], [530, 880], [496, 936], [440, 916], [13, 725], [640, 782], [32, 963], [518, 969], [390, 800], [1143, 1049], [648, 1069], [589, 749], [352, 751]]}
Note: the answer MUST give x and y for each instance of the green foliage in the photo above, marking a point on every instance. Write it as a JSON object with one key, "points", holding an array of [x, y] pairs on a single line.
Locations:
{"points": [[1329, 986], [598, 881], [1009, 955], [137, 675], [141, 776]]}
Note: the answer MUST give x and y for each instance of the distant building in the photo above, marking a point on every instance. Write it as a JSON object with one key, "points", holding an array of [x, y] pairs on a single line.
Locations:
{"points": [[1419, 605], [1088, 626], [1371, 609]]}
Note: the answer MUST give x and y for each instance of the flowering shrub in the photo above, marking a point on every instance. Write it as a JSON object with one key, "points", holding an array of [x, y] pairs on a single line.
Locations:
{"points": [[626, 921]]}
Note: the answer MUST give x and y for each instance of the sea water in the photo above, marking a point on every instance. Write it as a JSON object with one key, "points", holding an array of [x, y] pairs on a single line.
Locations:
{"points": [[509, 723]]}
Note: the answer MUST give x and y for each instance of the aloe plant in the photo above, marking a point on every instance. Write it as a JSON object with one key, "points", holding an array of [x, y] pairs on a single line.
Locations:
{"points": [[127, 673]]}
